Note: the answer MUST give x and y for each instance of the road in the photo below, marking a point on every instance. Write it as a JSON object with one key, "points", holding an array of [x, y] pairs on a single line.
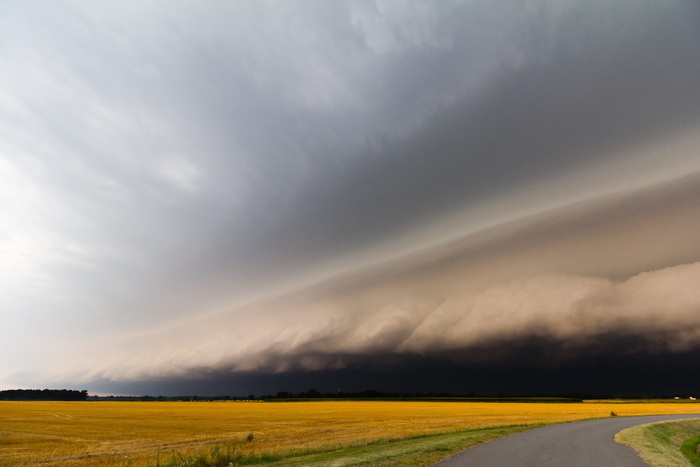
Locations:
{"points": [[579, 444]]}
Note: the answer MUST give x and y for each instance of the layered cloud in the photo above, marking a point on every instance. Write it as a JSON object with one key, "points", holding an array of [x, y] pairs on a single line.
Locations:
{"points": [[614, 276]]}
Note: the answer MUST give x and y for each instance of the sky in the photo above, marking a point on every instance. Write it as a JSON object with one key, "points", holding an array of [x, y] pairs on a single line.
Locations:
{"points": [[252, 197]]}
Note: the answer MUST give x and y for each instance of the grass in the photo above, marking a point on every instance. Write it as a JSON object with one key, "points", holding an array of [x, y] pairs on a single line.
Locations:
{"points": [[689, 448], [320, 432], [665, 444], [417, 450]]}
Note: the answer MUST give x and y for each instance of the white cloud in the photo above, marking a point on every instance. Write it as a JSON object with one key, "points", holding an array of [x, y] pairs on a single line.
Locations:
{"points": [[180, 173]]}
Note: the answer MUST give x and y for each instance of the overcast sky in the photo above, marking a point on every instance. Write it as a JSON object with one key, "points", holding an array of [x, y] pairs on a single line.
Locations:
{"points": [[218, 192]]}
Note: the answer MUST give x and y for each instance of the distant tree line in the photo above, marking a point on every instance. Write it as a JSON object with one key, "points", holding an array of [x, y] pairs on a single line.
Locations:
{"points": [[168, 398], [438, 396], [312, 394], [74, 395], [366, 394], [43, 395], [369, 394]]}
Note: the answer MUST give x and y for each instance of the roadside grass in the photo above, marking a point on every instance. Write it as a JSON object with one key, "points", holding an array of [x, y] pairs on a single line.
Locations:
{"points": [[416, 450], [689, 448], [664, 444]]}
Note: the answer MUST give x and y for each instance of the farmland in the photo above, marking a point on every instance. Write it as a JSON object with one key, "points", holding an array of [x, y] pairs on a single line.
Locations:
{"points": [[149, 433]]}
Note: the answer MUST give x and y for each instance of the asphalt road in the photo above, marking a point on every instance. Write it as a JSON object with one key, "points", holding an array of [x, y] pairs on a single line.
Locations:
{"points": [[579, 444]]}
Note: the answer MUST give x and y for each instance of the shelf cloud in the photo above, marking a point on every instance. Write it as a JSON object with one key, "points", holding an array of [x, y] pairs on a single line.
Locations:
{"points": [[610, 276]]}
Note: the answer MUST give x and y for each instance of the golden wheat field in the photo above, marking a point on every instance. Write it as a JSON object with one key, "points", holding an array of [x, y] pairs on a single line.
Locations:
{"points": [[140, 433]]}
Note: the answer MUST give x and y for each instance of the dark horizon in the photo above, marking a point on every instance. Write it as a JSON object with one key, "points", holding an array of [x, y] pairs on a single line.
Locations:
{"points": [[632, 376], [653, 376]]}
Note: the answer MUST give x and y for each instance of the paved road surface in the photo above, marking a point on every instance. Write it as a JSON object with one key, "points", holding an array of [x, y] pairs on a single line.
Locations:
{"points": [[580, 444]]}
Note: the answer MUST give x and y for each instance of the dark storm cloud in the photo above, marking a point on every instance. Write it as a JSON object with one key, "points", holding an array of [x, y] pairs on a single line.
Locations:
{"points": [[594, 280], [621, 374]]}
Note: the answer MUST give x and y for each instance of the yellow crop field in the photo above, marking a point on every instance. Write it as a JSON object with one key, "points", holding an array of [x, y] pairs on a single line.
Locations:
{"points": [[141, 433]]}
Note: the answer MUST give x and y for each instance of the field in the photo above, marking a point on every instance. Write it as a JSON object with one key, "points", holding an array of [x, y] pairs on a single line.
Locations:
{"points": [[150, 433]]}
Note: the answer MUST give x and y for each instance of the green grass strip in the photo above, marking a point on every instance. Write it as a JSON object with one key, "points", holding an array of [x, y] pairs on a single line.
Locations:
{"points": [[661, 444], [689, 448]]}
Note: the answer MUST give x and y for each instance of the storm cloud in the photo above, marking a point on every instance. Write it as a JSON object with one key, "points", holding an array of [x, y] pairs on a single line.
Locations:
{"points": [[205, 192], [597, 279]]}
